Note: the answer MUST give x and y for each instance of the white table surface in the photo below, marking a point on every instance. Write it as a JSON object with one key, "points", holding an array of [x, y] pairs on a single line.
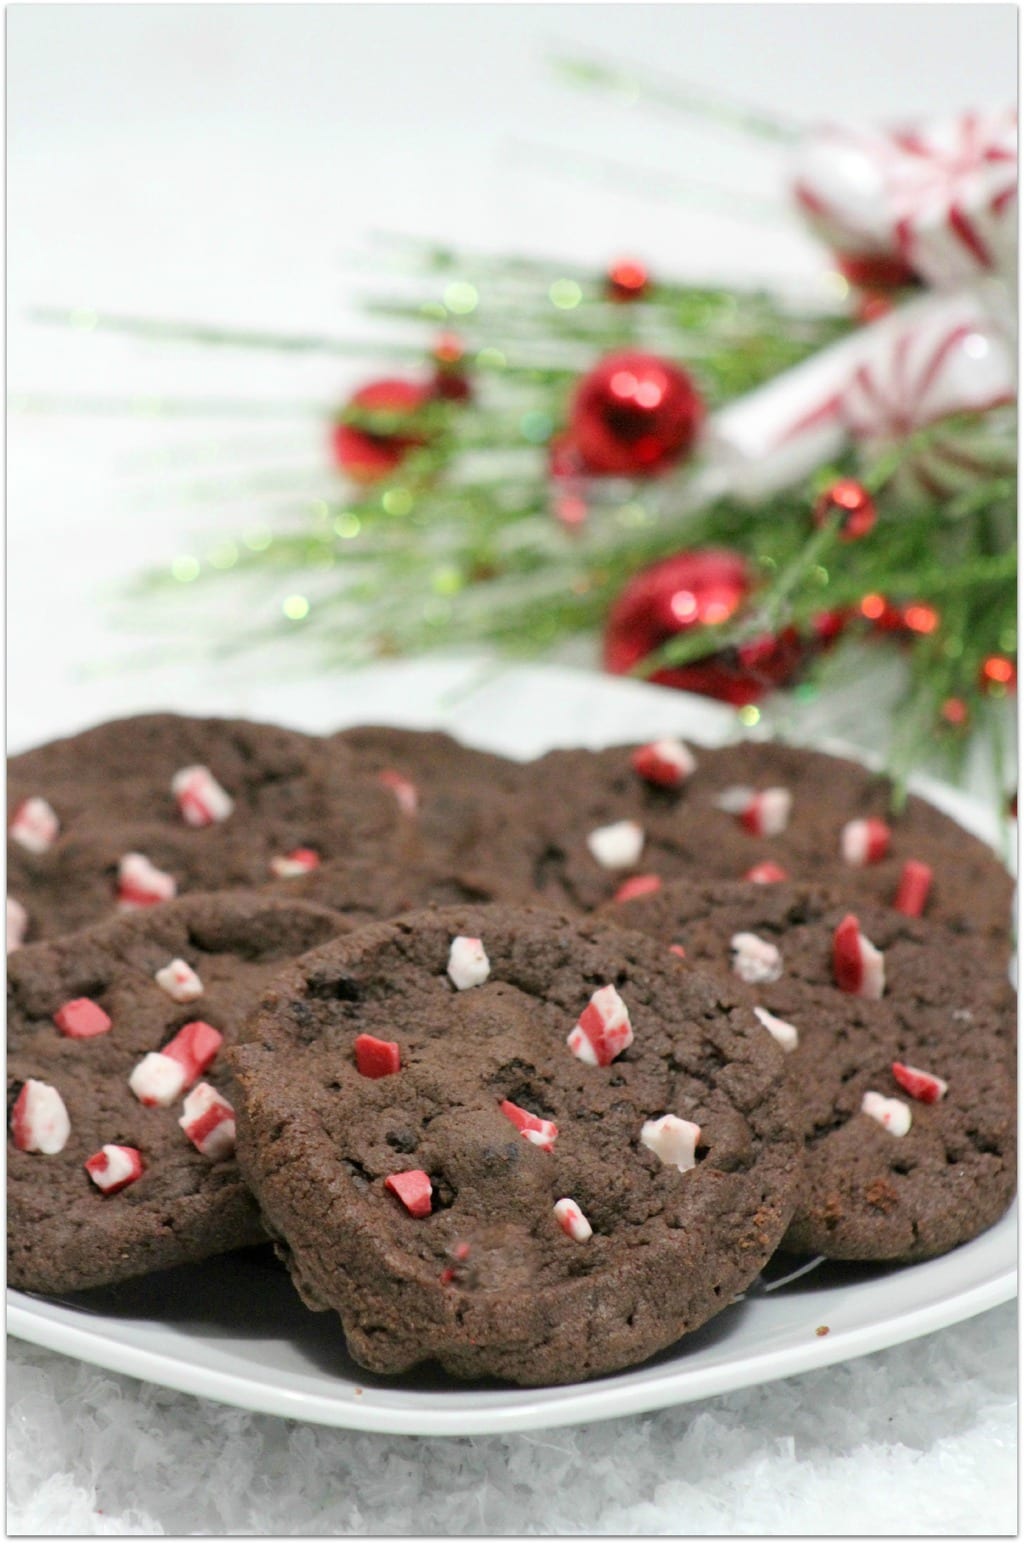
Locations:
{"points": [[217, 163]]}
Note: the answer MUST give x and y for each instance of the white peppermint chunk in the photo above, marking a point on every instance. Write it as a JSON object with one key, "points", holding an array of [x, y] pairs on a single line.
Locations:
{"points": [[35, 825], [200, 798], [672, 1140], [39, 1120], [179, 981], [779, 1029], [617, 846], [754, 959], [468, 964], [158, 1080], [17, 924], [893, 1114], [572, 1221]]}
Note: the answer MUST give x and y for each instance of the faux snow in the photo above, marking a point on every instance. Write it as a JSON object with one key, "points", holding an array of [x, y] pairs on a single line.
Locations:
{"points": [[919, 1439]]}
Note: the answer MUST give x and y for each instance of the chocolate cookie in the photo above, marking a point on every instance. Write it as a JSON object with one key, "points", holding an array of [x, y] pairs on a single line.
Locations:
{"points": [[209, 804], [464, 806], [869, 1193], [599, 821], [83, 1013], [514, 1144]]}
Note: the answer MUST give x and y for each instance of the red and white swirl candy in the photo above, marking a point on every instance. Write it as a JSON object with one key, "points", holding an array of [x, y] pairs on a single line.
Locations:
{"points": [[936, 200]]}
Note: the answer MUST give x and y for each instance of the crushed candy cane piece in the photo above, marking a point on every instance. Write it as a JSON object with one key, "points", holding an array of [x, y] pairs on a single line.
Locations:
{"points": [[162, 1076], [762, 812], [39, 1119], [209, 1122], [617, 846], [677, 949], [81, 1018], [468, 964], [858, 967], [200, 798], [572, 1221], [535, 1129], [114, 1167], [35, 825], [864, 841], [754, 959], [920, 1085], [767, 873], [179, 981], [413, 1189], [893, 1114], [640, 884], [157, 1080], [17, 924], [407, 795], [141, 883], [294, 864], [779, 1029], [666, 763], [603, 1030], [376, 1058], [914, 887], [672, 1140]]}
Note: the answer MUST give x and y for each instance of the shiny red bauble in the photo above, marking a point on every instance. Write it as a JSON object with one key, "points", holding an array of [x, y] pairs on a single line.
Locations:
{"points": [[367, 455], [694, 589], [627, 280], [854, 505], [634, 415]]}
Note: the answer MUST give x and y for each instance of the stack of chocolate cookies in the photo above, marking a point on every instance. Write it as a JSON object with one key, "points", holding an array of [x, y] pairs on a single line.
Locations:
{"points": [[526, 1069]]}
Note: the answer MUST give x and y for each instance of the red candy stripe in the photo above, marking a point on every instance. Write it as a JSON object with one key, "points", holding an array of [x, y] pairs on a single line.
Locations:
{"points": [[413, 1189], [194, 1047], [81, 1018], [640, 884], [535, 1129], [914, 886], [924, 1086], [376, 1058]]}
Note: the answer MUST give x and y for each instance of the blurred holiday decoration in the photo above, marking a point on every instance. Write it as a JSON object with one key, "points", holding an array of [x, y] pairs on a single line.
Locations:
{"points": [[729, 487]]}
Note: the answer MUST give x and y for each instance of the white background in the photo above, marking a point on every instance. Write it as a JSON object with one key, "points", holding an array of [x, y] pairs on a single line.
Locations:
{"points": [[221, 163]]}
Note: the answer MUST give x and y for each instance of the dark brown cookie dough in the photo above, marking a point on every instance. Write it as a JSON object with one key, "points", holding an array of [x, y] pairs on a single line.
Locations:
{"points": [[946, 1009], [63, 1233], [572, 792], [110, 788], [488, 1283]]}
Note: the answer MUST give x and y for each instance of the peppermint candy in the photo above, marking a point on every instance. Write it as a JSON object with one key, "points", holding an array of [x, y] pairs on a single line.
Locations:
{"points": [[572, 1221], [534, 1128], [208, 1120], [603, 1030], [35, 826], [413, 1189], [640, 884], [179, 981], [893, 1114], [618, 845], [755, 960], [468, 964], [376, 1058], [914, 888], [302, 860], [39, 1119], [114, 1167], [141, 883], [781, 1031], [200, 798], [81, 1019], [766, 874], [864, 841], [858, 967], [672, 1140], [406, 793], [920, 1085], [17, 924], [762, 812], [665, 763], [161, 1077]]}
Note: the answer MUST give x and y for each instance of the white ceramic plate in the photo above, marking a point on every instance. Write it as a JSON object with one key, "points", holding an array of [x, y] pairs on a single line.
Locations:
{"points": [[234, 1330]]}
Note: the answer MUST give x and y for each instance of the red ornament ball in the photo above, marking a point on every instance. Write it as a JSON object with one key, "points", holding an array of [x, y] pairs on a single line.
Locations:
{"points": [[998, 675], [627, 281], [634, 415], [692, 589], [367, 455], [854, 505]]}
